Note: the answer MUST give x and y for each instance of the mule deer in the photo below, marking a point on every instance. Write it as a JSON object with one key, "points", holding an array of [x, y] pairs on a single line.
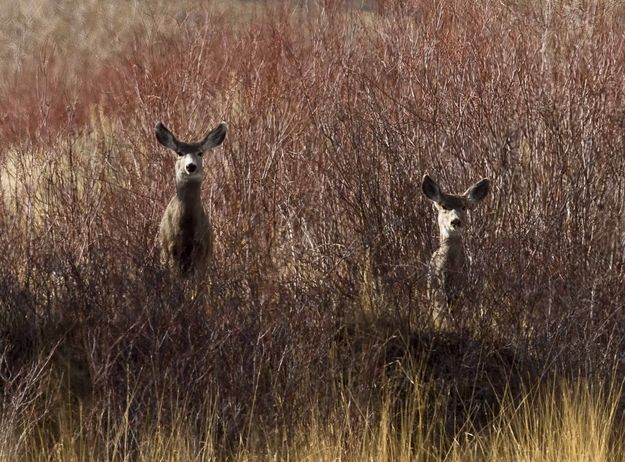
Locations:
{"points": [[449, 266], [186, 234]]}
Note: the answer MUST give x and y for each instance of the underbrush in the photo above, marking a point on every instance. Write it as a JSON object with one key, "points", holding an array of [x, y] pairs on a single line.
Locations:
{"points": [[311, 331]]}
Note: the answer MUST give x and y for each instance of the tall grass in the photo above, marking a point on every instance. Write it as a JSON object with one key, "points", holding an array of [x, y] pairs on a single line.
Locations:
{"points": [[559, 422], [316, 320]]}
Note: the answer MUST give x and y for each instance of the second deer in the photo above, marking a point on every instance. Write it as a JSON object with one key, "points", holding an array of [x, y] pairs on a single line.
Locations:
{"points": [[186, 234], [449, 264]]}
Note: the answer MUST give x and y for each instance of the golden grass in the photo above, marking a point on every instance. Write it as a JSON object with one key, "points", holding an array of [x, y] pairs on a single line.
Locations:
{"points": [[43, 178], [571, 421], [77, 34]]}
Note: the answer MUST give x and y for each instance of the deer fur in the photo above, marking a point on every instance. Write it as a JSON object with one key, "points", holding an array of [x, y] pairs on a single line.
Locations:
{"points": [[449, 264], [185, 233]]}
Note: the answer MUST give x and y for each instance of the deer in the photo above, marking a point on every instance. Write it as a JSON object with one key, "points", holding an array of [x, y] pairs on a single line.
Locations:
{"points": [[448, 266], [185, 232]]}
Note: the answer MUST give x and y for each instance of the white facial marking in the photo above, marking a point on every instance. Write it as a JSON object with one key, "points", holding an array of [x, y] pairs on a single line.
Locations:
{"points": [[451, 220], [189, 167]]}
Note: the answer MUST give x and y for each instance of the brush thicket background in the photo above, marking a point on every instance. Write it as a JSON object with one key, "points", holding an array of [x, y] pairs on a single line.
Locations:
{"points": [[314, 340]]}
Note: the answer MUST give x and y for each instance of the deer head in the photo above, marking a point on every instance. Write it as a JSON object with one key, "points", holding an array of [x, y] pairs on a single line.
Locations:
{"points": [[452, 208], [189, 164]]}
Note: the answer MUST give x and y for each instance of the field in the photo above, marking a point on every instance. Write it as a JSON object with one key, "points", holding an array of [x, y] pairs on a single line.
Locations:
{"points": [[310, 337]]}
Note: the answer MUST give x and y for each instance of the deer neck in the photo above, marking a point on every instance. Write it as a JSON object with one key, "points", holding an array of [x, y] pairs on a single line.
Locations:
{"points": [[452, 249], [188, 194], [451, 240]]}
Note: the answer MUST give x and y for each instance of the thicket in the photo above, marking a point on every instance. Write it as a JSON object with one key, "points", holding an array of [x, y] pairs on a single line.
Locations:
{"points": [[317, 294]]}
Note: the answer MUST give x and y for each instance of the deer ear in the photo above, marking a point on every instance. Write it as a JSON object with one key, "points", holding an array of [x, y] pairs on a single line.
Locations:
{"points": [[214, 138], [477, 192], [165, 137], [431, 189]]}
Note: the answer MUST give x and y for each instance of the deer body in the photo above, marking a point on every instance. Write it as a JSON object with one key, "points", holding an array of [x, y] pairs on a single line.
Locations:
{"points": [[448, 269], [185, 233], [449, 263]]}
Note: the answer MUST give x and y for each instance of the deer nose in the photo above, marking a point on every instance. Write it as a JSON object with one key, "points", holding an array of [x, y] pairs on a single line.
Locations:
{"points": [[191, 168], [456, 223]]}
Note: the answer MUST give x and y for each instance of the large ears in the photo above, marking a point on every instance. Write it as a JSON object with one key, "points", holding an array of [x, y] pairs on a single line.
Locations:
{"points": [[165, 137], [477, 192], [214, 138], [431, 189]]}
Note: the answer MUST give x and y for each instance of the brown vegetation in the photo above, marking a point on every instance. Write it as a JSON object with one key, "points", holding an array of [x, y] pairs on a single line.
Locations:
{"points": [[317, 310]]}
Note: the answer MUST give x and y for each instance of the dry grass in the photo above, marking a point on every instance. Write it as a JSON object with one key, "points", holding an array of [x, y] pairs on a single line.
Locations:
{"points": [[554, 423], [316, 323]]}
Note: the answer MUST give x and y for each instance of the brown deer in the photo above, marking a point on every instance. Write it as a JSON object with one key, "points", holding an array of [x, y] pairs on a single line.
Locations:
{"points": [[449, 264], [186, 234]]}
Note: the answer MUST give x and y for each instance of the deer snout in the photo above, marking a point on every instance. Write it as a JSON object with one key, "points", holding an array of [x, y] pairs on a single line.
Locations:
{"points": [[191, 168]]}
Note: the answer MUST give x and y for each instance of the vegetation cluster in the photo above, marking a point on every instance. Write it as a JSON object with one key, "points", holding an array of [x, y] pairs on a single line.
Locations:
{"points": [[310, 336]]}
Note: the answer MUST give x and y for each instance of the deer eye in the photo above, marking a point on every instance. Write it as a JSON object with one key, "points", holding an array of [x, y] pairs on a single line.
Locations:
{"points": [[444, 207], [180, 153], [200, 154]]}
